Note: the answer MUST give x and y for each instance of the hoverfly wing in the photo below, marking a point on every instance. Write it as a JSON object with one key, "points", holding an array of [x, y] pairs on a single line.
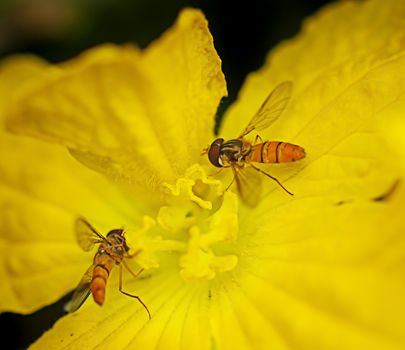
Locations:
{"points": [[86, 235], [249, 185], [271, 108], [82, 290]]}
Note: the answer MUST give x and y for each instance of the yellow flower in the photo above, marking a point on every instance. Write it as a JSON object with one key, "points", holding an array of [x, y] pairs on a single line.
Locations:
{"points": [[320, 270]]}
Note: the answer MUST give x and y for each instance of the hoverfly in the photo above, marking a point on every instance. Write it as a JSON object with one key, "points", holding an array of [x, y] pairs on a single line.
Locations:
{"points": [[238, 154], [111, 251]]}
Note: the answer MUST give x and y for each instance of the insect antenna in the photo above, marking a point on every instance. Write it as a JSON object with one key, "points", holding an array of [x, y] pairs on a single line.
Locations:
{"points": [[204, 151]]}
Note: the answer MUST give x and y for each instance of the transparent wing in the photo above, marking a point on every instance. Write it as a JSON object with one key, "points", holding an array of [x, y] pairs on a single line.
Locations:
{"points": [[86, 235], [271, 108], [249, 185], [82, 290]]}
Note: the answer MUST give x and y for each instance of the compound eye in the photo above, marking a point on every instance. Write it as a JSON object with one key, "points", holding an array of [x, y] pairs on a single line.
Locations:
{"points": [[214, 153]]}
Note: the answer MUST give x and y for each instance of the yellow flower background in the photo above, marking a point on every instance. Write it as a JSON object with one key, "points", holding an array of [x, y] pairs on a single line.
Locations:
{"points": [[115, 135]]}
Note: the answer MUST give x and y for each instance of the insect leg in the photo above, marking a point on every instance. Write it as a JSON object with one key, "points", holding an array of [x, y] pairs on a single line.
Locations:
{"points": [[217, 172], [130, 271], [273, 178], [257, 138], [133, 255], [233, 179], [130, 295]]}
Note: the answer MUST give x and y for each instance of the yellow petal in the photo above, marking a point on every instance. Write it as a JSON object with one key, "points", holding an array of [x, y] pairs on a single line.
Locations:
{"points": [[344, 81], [42, 191], [326, 47], [392, 133], [123, 323], [335, 281], [138, 117], [326, 266], [15, 72]]}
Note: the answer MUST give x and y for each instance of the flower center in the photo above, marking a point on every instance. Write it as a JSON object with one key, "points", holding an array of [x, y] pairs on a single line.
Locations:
{"points": [[199, 221]]}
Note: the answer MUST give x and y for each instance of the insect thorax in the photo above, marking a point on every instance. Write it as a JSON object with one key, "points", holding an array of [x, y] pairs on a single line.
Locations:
{"points": [[116, 246], [234, 151]]}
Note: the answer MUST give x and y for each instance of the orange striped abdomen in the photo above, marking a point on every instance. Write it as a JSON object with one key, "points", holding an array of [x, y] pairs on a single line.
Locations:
{"points": [[103, 265], [276, 152]]}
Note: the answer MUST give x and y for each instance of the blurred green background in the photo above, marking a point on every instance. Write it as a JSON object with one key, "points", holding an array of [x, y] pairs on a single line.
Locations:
{"points": [[243, 31]]}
